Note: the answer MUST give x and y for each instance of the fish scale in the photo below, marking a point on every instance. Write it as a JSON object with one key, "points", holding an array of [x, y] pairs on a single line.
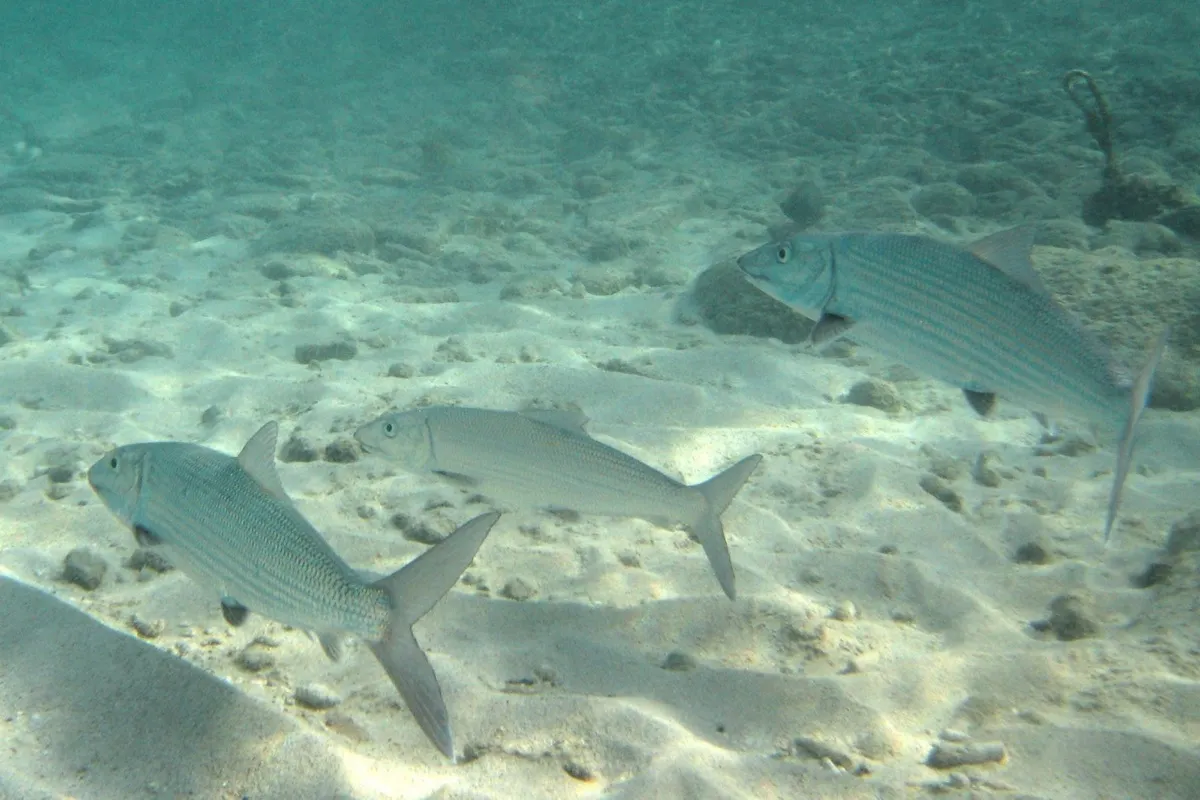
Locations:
{"points": [[545, 459], [983, 329], [286, 571], [979, 318], [494, 450], [228, 523]]}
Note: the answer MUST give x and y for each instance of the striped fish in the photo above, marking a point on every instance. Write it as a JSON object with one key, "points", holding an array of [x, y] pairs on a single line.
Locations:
{"points": [[979, 318], [227, 523], [545, 459]]}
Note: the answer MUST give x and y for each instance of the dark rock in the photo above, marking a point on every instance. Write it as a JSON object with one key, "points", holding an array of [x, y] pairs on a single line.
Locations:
{"points": [[342, 451], [728, 304], [316, 696], [518, 589], [416, 530], [401, 370], [1152, 575], [1070, 618], [297, 448], [343, 350], [875, 393], [150, 559], [804, 205], [935, 486], [313, 233], [679, 661], [256, 657], [84, 568], [1031, 553]]}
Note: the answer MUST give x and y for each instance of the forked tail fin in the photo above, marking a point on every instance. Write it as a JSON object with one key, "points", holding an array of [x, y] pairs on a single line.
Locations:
{"points": [[1139, 396], [719, 491], [414, 589]]}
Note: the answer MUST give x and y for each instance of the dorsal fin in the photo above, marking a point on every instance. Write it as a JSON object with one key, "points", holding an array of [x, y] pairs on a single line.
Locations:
{"points": [[1008, 251], [571, 421], [258, 459]]}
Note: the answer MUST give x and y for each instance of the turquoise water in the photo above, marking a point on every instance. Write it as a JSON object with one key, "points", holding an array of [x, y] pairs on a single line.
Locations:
{"points": [[217, 214]]}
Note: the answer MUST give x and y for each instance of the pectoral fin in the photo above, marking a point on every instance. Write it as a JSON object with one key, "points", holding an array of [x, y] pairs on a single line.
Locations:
{"points": [[145, 537], [457, 478], [829, 328]]}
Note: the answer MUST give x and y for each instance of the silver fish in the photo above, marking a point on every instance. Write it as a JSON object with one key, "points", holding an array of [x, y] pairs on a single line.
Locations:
{"points": [[978, 317], [545, 459], [227, 523]]}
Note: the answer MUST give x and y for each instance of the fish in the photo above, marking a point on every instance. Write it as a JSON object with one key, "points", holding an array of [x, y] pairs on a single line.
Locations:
{"points": [[545, 459], [976, 317], [228, 524]]}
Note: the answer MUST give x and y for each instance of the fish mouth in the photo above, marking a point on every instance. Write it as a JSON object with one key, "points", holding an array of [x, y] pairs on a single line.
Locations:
{"points": [[746, 269]]}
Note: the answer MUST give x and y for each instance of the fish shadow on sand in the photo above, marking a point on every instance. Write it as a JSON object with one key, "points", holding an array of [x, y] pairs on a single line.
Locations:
{"points": [[115, 716]]}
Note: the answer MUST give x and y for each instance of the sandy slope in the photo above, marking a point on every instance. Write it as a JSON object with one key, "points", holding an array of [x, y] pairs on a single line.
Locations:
{"points": [[873, 618]]}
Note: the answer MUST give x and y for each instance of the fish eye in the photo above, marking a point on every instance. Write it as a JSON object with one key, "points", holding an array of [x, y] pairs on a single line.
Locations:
{"points": [[783, 253], [112, 462], [389, 429]]}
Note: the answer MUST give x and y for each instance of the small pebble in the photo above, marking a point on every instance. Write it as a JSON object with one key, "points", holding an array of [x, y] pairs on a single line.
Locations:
{"points": [[805, 204], [1152, 575], [629, 558], [578, 771], [947, 755], [63, 473], [678, 661], [943, 465], [416, 530], [938, 488], [401, 370], [255, 658], [297, 449], [314, 353], [347, 726], [845, 611], [147, 629], [84, 568], [342, 451], [1070, 618], [1031, 553], [316, 696], [518, 589], [875, 393], [861, 663], [546, 674], [821, 750], [149, 559]]}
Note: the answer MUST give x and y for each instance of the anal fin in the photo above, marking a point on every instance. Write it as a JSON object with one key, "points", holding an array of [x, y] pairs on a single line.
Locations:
{"points": [[333, 645], [984, 403], [234, 612]]}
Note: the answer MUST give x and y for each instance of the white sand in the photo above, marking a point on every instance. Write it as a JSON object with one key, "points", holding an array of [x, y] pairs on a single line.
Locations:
{"points": [[937, 639]]}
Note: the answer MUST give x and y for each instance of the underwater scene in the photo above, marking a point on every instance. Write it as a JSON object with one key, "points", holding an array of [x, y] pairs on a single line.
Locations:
{"points": [[534, 399]]}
